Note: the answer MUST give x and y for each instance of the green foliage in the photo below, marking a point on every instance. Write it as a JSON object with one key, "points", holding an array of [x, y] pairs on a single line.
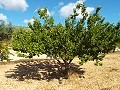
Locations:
{"points": [[118, 45], [6, 30], [22, 55], [4, 52], [5, 34], [118, 28], [24, 41], [89, 38]]}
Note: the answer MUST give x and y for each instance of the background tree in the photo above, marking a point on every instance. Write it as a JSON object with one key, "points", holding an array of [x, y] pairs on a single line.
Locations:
{"points": [[6, 30], [89, 38], [2, 29], [9, 30]]}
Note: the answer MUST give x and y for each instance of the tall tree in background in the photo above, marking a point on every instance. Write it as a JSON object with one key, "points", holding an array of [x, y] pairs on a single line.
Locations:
{"points": [[6, 30], [89, 38], [2, 29], [9, 30]]}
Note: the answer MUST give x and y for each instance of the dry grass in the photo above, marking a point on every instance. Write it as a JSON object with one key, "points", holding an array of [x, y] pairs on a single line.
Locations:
{"points": [[43, 75]]}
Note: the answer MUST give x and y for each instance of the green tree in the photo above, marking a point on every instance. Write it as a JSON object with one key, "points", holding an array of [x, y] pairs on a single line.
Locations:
{"points": [[2, 29], [89, 38], [6, 30], [118, 28], [9, 30]]}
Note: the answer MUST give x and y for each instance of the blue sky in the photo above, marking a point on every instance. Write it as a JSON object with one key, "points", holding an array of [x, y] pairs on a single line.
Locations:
{"points": [[20, 12]]}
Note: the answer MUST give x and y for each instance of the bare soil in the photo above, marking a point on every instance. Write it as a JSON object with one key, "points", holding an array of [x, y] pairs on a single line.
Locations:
{"points": [[44, 75]]}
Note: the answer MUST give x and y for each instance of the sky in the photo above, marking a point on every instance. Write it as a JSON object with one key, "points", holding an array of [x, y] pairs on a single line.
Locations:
{"points": [[20, 12]]}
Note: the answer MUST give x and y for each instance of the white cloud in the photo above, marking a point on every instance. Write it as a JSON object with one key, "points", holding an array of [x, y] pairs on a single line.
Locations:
{"points": [[28, 21], [3, 17], [67, 10], [61, 3], [18, 5], [90, 9]]}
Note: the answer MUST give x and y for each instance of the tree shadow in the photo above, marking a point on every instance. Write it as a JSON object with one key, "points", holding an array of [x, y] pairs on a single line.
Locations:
{"points": [[40, 70]]}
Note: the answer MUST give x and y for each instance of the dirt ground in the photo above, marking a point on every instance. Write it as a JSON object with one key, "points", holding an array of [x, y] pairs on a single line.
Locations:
{"points": [[43, 75]]}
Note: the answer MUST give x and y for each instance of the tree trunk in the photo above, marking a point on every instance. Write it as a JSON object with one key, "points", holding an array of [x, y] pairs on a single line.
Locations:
{"points": [[66, 69]]}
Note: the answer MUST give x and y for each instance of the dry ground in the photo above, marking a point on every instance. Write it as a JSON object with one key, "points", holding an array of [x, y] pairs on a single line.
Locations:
{"points": [[42, 75]]}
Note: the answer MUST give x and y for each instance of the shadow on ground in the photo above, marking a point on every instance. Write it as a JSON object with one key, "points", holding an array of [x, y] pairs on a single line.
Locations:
{"points": [[40, 70]]}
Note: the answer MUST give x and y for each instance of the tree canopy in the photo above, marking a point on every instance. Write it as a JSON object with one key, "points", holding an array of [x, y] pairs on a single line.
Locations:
{"points": [[89, 38]]}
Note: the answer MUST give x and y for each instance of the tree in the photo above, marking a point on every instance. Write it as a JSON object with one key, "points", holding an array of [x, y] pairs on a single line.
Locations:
{"points": [[2, 29], [118, 28], [89, 38], [4, 52], [6, 30], [9, 30]]}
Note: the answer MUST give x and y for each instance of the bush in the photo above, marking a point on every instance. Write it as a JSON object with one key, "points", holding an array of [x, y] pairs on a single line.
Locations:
{"points": [[4, 52]]}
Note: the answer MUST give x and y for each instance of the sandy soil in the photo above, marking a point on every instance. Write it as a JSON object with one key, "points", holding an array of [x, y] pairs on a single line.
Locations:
{"points": [[43, 75]]}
